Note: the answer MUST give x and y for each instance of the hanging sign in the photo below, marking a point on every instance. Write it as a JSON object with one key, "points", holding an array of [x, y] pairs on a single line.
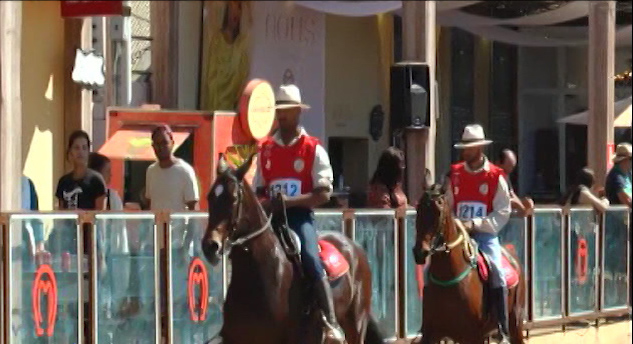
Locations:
{"points": [[91, 8]]}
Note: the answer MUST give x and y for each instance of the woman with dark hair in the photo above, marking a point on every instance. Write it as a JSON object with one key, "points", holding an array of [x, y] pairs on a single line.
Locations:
{"points": [[82, 188], [385, 187], [582, 192]]}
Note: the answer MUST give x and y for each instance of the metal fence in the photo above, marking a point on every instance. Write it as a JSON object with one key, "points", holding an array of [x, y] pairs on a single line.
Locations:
{"points": [[137, 277]]}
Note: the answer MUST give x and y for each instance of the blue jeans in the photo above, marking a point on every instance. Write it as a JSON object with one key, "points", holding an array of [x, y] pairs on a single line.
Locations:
{"points": [[301, 221], [489, 244]]}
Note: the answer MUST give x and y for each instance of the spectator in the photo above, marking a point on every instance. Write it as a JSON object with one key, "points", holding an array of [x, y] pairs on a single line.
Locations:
{"points": [[582, 192], [618, 183], [171, 182], [385, 187], [82, 188], [171, 185], [508, 161], [118, 238], [113, 239]]}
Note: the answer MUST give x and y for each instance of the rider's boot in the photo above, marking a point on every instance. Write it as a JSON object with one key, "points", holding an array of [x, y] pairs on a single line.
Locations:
{"points": [[500, 296], [324, 297]]}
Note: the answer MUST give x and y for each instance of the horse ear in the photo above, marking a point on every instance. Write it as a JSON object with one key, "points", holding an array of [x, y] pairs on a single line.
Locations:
{"points": [[243, 169], [222, 165]]}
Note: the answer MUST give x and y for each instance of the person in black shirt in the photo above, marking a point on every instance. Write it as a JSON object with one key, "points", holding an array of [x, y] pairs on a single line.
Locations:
{"points": [[82, 188]]}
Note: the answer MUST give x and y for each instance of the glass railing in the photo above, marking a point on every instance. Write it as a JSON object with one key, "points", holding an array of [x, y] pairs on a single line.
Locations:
{"points": [[582, 261], [413, 279], [328, 221], [615, 268], [44, 300], [197, 293], [127, 305], [547, 249], [579, 266], [375, 232]]}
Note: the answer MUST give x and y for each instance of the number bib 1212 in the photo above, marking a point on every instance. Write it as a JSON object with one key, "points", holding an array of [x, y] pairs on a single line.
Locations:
{"points": [[288, 187], [471, 210]]}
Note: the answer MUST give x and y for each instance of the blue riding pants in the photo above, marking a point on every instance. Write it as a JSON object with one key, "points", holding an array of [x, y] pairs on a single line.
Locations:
{"points": [[301, 221], [489, 244]]}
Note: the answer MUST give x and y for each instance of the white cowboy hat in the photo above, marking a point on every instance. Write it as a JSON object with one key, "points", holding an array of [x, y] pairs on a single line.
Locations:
{"points": [[473, 136], [622, 152], [289, 96]]}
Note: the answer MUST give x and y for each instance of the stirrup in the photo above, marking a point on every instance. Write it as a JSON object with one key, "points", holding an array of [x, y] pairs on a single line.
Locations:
{"points": [[502, 338], [333, 332]]}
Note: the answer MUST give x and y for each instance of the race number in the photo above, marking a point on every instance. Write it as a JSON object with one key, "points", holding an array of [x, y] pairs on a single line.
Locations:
{"points": [[288, 187], [471, 210]]}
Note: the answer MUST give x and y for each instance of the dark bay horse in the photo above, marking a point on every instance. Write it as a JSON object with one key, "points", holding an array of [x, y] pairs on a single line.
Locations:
{"points": [[454, 303], [266, 301]]}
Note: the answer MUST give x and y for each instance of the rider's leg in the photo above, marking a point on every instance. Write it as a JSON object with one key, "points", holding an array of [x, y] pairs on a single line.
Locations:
{"points": [[490, 245], [302, 222]]}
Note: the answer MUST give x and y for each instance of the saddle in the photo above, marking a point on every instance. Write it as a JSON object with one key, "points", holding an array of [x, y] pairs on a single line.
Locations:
{"points": [[332, 259], [508, 263]]}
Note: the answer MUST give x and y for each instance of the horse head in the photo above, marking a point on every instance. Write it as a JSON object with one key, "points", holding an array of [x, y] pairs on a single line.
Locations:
{"points": [[432, 214], [226, 202]]}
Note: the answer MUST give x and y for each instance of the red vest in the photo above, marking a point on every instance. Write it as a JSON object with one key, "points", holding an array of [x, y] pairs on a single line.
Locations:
{"points": [[473, 193], [288, 169]]}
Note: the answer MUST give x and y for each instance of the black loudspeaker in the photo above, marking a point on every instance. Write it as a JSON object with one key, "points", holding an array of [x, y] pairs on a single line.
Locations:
{"points": [[410, 96]]}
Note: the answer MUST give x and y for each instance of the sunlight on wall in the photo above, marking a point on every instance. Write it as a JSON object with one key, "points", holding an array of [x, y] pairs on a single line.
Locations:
{"points": [[42, 60], [38, 164]]}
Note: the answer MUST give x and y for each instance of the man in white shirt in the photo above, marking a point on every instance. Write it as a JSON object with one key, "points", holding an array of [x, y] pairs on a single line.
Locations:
{"points": [[171, 183]]}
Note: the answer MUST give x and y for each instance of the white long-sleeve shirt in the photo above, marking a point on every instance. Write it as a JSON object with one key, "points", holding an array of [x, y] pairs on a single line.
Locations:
{"points": [[501, 207]]}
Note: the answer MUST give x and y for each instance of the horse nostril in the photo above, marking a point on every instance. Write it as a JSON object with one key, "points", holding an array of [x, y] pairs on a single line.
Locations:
{"points": [[210, 248]]}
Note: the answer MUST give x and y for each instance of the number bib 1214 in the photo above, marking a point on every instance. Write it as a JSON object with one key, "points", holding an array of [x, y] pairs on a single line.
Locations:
{"points": [[288, 187], [471, 210]]}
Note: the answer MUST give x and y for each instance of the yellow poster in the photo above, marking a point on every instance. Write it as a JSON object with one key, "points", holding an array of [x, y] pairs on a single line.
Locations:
{"points": [[225, 53]]}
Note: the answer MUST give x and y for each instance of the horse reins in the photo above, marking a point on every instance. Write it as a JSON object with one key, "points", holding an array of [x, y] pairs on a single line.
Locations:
{"points": [[230, 242]]}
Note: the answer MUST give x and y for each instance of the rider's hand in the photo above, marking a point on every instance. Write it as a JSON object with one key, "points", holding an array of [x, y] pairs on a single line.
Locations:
{"points": [[469, 225]]}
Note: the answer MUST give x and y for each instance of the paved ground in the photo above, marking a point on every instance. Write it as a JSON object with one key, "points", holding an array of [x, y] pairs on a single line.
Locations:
{"points": [[614, 333], [611, 333]]}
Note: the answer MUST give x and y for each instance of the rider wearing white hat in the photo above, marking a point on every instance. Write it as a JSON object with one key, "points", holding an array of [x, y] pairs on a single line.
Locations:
{"points": [[296, 165], [479, 195], [618, 183]]}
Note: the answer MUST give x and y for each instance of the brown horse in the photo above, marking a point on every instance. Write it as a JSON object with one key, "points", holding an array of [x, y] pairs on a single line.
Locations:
{"points": [[266, 302], [454, 303]]}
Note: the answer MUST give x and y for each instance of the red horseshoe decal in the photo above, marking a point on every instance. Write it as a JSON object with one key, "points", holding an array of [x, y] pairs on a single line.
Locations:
{"points": [[198, 276], [582, 260], [44, 285]]}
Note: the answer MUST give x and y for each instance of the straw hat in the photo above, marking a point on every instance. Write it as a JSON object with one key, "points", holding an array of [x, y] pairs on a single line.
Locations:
{"points": [[473, 136], [289, 96], [622, 152]]}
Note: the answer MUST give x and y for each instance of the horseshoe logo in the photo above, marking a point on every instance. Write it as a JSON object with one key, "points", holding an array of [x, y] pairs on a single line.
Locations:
{"points": [[198, 277], [44, 287], [582, 258]]}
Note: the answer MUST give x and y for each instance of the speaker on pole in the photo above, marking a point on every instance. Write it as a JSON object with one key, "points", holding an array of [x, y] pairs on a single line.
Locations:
{"points": [[410, 96]]}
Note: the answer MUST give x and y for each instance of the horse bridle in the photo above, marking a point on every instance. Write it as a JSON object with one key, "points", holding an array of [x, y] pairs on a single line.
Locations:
{"points": [[240, 241], [439, 244]]}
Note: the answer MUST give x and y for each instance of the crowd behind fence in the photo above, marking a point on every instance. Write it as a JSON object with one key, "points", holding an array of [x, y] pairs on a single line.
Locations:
{"points": [[576, 265]]}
